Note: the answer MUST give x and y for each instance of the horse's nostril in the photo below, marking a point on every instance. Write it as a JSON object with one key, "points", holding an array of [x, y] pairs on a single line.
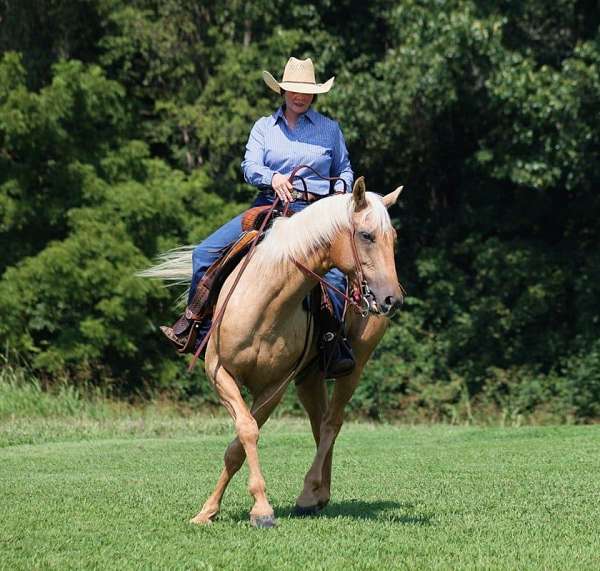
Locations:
{"points": [[392, 301]]}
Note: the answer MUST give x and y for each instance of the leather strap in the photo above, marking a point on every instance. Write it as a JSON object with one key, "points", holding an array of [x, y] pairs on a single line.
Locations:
{"points": [[295, 175], [351, 301]]}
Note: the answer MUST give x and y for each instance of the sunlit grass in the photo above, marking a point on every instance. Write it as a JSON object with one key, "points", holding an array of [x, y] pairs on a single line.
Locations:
{"points": [[119, 496]]}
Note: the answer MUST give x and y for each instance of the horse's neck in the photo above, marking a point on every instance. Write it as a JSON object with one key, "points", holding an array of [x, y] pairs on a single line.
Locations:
{"points": [[287, 285]]}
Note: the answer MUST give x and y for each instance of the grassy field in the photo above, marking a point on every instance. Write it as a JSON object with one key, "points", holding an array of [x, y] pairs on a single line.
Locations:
{"points": [[83, 493]]}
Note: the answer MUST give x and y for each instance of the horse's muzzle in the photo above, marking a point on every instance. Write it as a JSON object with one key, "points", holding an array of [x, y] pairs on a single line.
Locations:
{"points": [[390, 305]]}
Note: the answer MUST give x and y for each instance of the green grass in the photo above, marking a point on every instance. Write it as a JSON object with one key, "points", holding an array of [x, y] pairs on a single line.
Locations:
{"points": [[117, 494]]}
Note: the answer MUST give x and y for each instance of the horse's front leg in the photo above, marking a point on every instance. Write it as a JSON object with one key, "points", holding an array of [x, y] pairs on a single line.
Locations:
{"points": [[312, 392], [234, 458], [263, 406], [317, 482], [247, 428]]}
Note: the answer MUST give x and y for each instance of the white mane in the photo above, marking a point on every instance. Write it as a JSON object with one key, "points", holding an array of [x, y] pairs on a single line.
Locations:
{"points": [[297, 237], [315, 227]]}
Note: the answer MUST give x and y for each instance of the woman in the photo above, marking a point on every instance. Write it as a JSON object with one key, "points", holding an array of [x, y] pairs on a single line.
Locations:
{"points": [[295, 134]]}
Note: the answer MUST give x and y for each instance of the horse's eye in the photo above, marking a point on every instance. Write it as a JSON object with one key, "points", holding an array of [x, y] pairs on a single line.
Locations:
{"points": [[367, 236]]}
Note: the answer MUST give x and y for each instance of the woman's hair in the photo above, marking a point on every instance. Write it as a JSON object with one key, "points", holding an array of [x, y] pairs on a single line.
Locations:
{"points": [[314, 100]]}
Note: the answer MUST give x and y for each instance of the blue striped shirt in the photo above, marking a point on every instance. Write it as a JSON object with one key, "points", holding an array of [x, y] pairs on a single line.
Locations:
{"points": [[316, 141]]}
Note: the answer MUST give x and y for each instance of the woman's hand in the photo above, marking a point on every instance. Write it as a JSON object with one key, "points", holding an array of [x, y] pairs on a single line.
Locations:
{"points": [[282, 187]]}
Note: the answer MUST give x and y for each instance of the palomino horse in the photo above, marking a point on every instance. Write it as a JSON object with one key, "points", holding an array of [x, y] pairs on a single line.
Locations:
{"points": [[260, 342]]}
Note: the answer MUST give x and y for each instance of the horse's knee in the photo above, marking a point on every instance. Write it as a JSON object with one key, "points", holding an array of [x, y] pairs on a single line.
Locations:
{"points": [[247, 430]]}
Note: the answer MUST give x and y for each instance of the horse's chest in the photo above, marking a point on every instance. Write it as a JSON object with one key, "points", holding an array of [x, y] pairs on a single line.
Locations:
{"points": [[267, 353]]}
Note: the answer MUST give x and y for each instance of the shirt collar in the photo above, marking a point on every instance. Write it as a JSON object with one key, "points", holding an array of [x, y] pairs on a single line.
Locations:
{"points": [[278, 115], [311, 115]]}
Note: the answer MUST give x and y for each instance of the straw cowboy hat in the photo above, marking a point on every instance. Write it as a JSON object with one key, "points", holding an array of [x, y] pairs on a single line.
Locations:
{"points": [[298, 76]]}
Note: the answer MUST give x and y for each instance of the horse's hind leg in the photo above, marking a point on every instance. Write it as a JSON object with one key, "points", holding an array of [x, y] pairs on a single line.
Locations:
{"points": [[317, 481], [236, 454]]}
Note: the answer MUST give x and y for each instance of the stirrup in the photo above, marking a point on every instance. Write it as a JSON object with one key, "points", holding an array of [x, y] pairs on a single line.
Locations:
{"points": [[336, 357], [186, 341], [170, 335]]}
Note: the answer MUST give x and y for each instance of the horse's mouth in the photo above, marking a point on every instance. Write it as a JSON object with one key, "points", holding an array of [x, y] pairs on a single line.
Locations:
{"points": [[364, 296], [386, 309]]}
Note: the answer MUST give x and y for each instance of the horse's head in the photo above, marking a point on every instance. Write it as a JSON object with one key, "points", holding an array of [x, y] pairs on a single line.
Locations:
{"points": [[366, 254]]}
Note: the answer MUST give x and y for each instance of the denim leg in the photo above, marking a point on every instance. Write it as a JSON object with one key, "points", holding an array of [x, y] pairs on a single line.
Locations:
{"points": [[336, 278], [210, 249]]}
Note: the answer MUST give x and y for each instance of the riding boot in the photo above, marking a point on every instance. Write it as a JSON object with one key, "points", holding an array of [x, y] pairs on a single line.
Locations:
{"points": [[190, 329], [335, 354], [184, 333], [337, 358]]}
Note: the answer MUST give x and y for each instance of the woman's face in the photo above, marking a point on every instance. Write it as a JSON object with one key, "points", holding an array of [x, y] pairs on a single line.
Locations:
{"points": [[298, 102]]}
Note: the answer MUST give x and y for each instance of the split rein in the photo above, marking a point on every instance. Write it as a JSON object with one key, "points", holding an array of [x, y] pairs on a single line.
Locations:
{"points": [[364, 296]]}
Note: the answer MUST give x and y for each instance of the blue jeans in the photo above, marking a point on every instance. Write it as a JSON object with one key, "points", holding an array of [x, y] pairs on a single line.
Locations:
{"points": [[209, 250]]}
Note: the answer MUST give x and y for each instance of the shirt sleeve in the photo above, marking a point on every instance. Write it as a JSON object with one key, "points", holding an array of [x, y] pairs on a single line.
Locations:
{"points": [[340, 165], [253, 165]]}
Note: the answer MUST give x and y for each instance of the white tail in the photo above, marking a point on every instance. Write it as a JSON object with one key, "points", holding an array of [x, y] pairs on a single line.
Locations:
{"points": [[174, 266]]}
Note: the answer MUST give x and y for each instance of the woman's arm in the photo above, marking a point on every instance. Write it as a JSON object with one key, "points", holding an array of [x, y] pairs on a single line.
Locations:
{"points": [[253, 165], [255, 170], [340, 164]]}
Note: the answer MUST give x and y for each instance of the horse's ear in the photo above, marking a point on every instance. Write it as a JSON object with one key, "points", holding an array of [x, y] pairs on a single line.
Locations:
{"points": [[391, 198], [358, 194]]}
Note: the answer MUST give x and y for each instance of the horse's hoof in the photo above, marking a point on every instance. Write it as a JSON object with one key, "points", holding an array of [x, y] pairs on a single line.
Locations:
{"points": [[307, 511], [263, 521], [203, 519]]}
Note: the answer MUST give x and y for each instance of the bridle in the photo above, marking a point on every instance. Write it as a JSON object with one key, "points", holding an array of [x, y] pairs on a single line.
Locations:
{"points": [[361, 299]]}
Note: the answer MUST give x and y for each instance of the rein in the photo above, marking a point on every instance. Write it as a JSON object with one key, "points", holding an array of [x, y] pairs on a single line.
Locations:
{"points": [[329, 178], [364, 306]]}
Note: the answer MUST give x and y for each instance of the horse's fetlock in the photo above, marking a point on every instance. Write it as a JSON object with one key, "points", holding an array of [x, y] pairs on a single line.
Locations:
{"points": [[312, 482], [257, 486]]}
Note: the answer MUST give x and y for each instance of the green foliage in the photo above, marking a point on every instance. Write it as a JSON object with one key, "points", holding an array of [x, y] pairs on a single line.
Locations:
{"points": [[123, 124], [45, 136], [582, 375]]}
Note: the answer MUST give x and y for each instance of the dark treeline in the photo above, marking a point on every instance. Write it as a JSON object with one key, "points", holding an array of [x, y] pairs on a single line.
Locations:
{"points": [[123, 124]]}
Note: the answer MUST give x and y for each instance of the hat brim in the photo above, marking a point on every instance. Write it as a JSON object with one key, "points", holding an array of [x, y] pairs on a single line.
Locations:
{"points": [[298, 87]]}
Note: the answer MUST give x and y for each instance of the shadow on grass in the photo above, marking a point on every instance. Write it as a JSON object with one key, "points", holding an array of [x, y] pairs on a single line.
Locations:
{"points": [[385, 511]]}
